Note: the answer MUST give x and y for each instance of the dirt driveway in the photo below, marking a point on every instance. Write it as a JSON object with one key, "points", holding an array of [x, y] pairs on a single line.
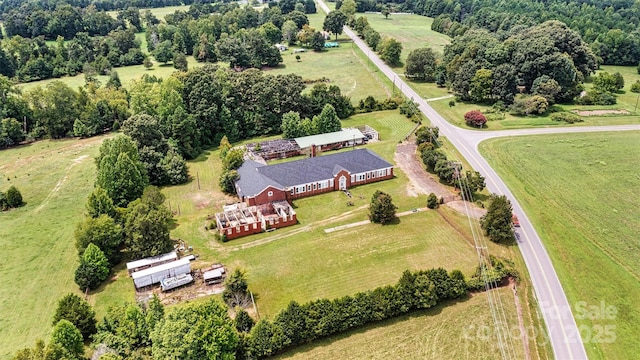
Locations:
{"points": [[421, 182]]}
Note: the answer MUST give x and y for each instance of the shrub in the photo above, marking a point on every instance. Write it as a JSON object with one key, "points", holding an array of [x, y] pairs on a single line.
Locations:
{"points": [[14, 198], [567, 117], [432, 201], [475, 118]]}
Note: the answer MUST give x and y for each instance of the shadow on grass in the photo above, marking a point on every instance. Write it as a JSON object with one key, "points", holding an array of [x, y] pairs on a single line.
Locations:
{"points": [[328, 341], [204, 156]]}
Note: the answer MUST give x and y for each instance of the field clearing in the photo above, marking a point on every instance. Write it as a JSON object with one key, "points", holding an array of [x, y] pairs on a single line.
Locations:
{"points": [[126, 74], [39, 256], [413, 31], [587, 216]]}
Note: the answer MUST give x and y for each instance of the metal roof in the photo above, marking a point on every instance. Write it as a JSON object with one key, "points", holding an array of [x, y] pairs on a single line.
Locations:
{"points": [[160, 268], [329, 138], [151, 260]]}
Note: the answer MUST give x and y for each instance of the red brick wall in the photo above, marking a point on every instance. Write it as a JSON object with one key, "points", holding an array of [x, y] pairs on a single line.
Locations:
{"points": [[282, 223], [235, 233], [278, 194], [264, 197]]}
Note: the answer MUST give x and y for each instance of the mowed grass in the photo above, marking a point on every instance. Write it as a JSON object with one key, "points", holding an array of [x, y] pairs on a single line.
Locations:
{"points": [[38, 257], [581, 192]]}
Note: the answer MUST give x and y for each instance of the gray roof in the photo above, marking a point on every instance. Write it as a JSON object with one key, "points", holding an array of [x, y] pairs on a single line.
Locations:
{"points": [[255, 177]]}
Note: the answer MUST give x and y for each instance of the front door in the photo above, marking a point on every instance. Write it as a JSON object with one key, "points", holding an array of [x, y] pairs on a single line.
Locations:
{"points": [[342, 183]]}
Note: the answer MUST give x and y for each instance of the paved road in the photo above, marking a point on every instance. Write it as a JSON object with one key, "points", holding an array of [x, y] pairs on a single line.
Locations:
{"points": [[561, 326]]}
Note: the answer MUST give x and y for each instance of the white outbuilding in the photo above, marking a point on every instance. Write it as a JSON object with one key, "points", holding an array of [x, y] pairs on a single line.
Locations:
{"points": [[156, 274]]}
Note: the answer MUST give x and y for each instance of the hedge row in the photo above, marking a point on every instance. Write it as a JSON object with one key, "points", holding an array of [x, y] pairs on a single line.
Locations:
{"points": [[300, 324]]}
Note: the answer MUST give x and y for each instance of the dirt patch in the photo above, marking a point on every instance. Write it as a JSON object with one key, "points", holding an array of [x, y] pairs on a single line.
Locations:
{"points": [[463, 207], [421, 182], [601, 112], [192, 291]]}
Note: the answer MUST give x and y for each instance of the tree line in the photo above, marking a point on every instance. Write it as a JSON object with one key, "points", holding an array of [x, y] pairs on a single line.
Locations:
{"points": [[193, 109], [241, 36], [102, 5], [31, 59], [448, 171], [611, 28]]}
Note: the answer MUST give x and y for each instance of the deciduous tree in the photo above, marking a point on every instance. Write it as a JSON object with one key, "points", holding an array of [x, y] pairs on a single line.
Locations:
{"points": [[147, 228], [497, 222], [69, 338], [94, 268], [475, 118], [421, 64], [381, 209], [77, 311], [335, 21], [100, 203], [206, 332], [390, 50], [103, 232]]}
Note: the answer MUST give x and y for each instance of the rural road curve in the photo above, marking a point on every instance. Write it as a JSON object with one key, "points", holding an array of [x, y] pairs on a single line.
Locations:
{"points": [[562, 330]]}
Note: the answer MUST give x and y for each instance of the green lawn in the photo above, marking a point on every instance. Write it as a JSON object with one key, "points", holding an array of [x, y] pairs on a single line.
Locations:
{"points": [[581, 192], [413, 31], [38, 255]]}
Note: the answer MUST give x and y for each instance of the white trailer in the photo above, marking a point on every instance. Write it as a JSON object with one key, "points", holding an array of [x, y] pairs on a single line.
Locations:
{"points": [[214, 276], [154, 275], [176, 281]]}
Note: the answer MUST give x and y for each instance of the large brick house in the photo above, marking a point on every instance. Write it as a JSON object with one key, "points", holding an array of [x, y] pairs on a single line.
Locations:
{"points": [[262, 184]]}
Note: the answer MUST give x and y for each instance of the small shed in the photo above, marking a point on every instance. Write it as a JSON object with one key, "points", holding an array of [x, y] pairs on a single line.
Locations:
{"points": [[146, 263], [156, 274], [214, 276], [176, 281]]}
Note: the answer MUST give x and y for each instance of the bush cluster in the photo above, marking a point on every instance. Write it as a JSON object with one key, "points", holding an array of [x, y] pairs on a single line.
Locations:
{"points": [[300, 324], [597, 98], [11, 199], [567, 117], [371, 104]]}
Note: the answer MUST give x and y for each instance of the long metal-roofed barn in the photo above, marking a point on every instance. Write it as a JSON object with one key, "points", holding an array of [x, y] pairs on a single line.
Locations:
{"points": [[332, 140], [285, 148]]}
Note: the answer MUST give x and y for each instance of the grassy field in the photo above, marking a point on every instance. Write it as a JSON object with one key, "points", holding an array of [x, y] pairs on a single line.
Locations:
{"points": [[38, 255], [580, 191]]}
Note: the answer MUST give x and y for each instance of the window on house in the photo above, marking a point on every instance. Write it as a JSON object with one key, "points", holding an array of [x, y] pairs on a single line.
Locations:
{"points": [[270, 193], [315, 186], [246, 228]]}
